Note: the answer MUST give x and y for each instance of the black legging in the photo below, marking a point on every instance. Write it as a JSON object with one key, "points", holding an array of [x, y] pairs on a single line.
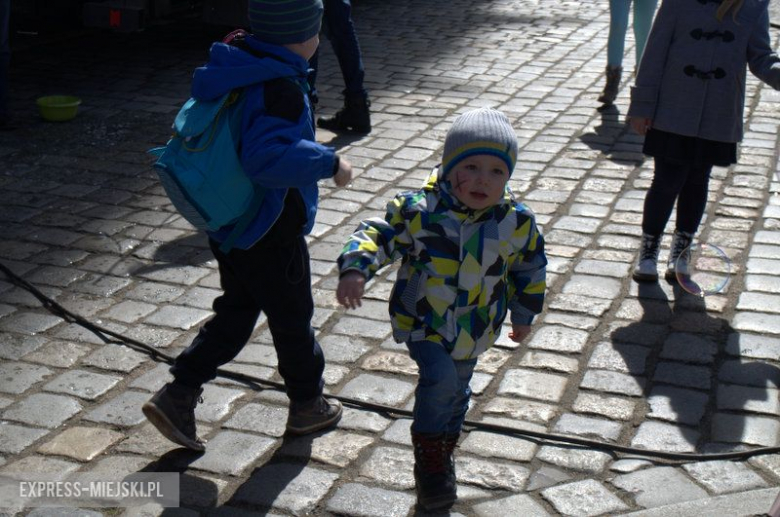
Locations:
{"points": [[683, 181]]}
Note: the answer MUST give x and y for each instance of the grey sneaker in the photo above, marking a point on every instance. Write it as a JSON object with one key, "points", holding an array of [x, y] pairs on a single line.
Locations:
{"points": [[172, 411], [312, 415]]}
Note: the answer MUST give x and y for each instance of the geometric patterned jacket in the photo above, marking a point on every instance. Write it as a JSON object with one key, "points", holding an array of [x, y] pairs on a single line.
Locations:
{"points": [[461, 269]]}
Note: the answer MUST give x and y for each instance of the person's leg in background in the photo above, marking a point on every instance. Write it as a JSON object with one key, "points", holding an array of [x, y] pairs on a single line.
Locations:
{"points": [[616, 44], [644, 10], [5, 63], [340, 31]]}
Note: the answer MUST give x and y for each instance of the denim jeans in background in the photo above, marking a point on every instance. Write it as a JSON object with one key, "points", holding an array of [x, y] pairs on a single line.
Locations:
{"points": [[5, 54], [443, 393], [340, 31]]}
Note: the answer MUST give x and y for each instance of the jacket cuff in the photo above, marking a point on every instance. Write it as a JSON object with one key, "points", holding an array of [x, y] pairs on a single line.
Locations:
{"points": [[643, 101], [519, 315]]}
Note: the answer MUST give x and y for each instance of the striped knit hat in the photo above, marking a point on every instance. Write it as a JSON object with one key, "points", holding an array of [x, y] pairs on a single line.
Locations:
{"points": [[285, 21], [482, 131]]}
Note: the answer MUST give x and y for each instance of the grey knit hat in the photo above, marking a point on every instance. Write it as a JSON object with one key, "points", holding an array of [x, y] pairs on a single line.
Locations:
{"points": [[482, 131], [285, 21]]}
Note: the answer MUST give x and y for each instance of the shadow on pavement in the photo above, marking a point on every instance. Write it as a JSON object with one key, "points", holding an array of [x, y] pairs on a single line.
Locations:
{"points": [[678, 351]]}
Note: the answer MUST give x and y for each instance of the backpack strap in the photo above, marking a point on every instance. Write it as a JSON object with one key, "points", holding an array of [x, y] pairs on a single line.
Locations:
{"points": [[243, 222]]}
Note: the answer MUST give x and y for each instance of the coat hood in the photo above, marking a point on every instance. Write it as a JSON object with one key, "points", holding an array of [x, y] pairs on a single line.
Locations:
{"points": [[230, 67]]}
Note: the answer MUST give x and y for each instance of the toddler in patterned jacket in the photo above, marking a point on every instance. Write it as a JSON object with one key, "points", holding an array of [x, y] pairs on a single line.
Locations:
{"points": [[470, 253]]}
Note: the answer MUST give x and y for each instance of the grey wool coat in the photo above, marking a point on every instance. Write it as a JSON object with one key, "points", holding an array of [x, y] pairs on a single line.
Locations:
{"points": [[691, 79]]}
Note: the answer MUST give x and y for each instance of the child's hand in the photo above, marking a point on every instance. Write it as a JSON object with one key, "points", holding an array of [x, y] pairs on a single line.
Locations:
{"points": [[350, 289], [344, 175], [519, 332], [640, 125]]}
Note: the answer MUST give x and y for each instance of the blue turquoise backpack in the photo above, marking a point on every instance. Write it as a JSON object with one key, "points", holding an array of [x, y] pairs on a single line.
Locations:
{"points": [[200, 168]]}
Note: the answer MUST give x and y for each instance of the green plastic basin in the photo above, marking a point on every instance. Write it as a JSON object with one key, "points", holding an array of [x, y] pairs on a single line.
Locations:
{"points": [[58, 108]]}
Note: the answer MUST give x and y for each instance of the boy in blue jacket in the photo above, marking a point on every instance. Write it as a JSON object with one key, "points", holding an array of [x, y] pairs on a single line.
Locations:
{"points": [[267, 270]]}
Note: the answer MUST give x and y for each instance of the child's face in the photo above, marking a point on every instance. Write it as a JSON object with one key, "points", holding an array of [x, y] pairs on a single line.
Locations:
{"points": [[305, 49], [479, 181]]}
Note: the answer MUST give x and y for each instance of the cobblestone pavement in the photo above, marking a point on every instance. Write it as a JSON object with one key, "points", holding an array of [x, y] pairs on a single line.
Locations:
{"points": [[84, 219]]}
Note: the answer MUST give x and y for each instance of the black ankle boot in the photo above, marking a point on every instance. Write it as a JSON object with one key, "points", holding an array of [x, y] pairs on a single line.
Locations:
{"points": [[613, 74], [433, 480], [172, 411], [354, 116]]}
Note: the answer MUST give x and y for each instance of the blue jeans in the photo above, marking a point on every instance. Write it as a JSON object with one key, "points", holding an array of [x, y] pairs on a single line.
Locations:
{"points": [[338, 28], [5, 54], [618, 25], [443, 393]]}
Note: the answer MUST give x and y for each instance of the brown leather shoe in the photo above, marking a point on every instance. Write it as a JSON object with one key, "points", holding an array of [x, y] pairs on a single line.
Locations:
{"points": [[312, 415]]}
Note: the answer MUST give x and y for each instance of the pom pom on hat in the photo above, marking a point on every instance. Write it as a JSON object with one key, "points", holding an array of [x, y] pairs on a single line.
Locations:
{"points": [[285, 21], [482, 131]]}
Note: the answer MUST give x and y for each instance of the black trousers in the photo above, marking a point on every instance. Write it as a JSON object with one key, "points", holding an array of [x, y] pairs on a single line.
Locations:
{"points": [[684, 181], [275, 280]]}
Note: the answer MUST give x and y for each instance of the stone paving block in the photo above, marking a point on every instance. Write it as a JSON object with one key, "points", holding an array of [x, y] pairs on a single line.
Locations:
{"points": [[574, 458], [529, 410], [217, 402], [575, 321], [749, 373], [343, 349], [181, 275], [56, 276], [390, 362], [119, 466], [721, 477], [636, 333], [43, 410], [81, 443], [154, 293], [153, 379], [683, 375], [759, 302], [677, 405], [260, 418], [492, 445], [753, 430], [659, 486], [264, 354], [491, 360], [546, 476], [690, 348], [580, 303], [613, 382], [154, 336], [752, 346], [744, 398], [116, 358], [82, 384], [390, 466], [537, 360], [123, 410], [286, 487], [658, 436], [360, 420], [129, 311], [532, 384], [230, 452], [16, 346], [583, 499], [363, 327], [586, 426], [595, 286], [16, 438], [559, 339], [148, 441], [178, 317], [513, 505], [30, 323], [360, 500], [379, 390], [754, 502], [765, 283], [611, 407], [335, 448], [491, 474], [399, 432], [619, 357], [64, 512], [757, 322], [602, 268]]}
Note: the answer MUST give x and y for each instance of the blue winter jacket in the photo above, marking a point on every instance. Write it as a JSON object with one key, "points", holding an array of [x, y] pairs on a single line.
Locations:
{"points": [[278, 150]]}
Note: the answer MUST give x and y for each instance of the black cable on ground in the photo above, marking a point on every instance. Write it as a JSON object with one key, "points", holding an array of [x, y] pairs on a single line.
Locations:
{"points": [[252, 381]]}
